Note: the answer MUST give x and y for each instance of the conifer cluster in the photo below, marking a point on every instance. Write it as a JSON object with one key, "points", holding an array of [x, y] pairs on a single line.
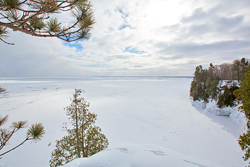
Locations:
{"points": [[208, 83]]}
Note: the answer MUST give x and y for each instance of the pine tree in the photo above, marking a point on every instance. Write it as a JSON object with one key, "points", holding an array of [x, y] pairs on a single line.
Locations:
{"points": [[198, 85], [244, 67], [227, 98], [243, 94], [240, 67], [84, 139], [214, 88]]}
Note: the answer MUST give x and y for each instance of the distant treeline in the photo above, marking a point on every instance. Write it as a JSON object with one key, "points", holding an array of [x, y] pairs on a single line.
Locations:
{"points": [[218, 82]]}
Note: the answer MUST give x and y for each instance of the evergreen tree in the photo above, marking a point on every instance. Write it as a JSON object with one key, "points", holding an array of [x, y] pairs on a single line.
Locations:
{"points": [[203, 84], [2, 89], [227, 98], [84, 139], [35, 132], [236, 69], [212, 82], [240, 67], [197, 85], [212, 87], [243, 94], [244, 67]]}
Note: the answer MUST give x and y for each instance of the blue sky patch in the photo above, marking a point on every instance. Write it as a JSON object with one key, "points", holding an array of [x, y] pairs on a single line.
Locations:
{"points": [[74, 44], [123, 26], [133, 50], [122, 12]]}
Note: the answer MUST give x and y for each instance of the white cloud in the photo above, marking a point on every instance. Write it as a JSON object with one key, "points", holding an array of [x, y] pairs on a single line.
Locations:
{"points": [[167, 38]]}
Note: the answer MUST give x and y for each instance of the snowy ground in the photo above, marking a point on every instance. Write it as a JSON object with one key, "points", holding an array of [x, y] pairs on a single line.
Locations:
{"points": [[149, 122]]}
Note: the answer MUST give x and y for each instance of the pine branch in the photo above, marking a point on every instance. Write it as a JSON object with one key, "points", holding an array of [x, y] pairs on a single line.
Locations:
{"points": [[30, 19], [15, 147]]}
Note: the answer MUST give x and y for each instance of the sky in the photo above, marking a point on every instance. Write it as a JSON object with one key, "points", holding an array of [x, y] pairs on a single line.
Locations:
{"points": [[138, 38]]}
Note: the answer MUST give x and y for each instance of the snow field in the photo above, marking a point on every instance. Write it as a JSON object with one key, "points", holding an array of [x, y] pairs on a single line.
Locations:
{"points": [[143, 117]]}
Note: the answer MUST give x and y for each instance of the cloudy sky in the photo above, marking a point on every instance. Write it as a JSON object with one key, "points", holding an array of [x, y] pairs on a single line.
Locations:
{"points": [[138, 38]]}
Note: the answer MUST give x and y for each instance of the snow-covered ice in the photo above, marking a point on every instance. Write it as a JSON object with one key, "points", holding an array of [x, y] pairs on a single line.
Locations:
{"points": [[148, 121]]}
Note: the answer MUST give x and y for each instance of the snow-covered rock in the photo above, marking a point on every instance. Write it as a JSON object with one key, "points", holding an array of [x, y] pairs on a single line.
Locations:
{"points": [[239, 117], [200, 104], [212, 107], [233, 112]]}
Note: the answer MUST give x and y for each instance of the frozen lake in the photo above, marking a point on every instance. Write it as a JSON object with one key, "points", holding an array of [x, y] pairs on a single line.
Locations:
{"points": [[137, 110]]}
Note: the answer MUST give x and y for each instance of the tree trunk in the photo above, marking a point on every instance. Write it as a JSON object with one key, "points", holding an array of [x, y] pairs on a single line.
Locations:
{"points": [[77, 134], [82, 142]]}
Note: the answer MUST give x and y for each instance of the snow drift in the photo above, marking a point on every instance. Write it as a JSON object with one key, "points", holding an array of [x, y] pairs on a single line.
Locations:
{"points": [[138, 155]]}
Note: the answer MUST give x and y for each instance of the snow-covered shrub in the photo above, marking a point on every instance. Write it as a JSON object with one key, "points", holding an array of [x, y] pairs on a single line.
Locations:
{"points": [[213, 108]]}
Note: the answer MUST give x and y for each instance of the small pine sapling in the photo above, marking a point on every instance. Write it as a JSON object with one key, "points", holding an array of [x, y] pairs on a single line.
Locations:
{"points": [[84, 139]]}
